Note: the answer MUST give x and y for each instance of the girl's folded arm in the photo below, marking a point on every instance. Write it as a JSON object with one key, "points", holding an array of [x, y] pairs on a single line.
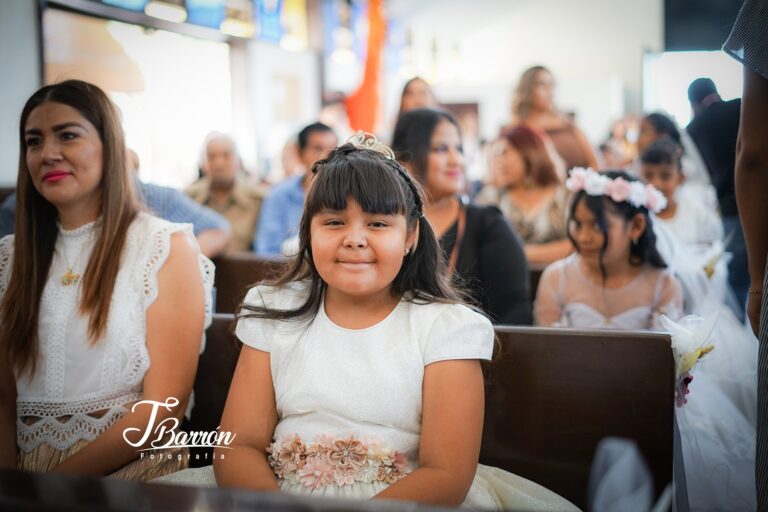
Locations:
{"points": [[251, 415], [451, 430]]}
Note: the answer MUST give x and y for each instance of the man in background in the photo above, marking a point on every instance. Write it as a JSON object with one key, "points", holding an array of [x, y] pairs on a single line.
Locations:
{"points": [[224, 189], [278, 229], [714, 129]]}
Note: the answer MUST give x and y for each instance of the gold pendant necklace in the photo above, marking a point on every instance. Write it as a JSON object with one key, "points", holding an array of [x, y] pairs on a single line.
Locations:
{"points": [[70, 277]]}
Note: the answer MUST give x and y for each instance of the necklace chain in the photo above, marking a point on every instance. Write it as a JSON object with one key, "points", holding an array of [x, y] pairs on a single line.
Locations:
{"points": [[70, 277]]}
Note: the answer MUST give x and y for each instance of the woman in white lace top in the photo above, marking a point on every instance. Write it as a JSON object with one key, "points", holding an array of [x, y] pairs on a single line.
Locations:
{"points": [[101, 304]]}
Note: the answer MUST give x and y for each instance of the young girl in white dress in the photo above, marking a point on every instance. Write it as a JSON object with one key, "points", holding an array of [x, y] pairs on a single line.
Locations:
{"points": [[360, 376], [618, 279]]}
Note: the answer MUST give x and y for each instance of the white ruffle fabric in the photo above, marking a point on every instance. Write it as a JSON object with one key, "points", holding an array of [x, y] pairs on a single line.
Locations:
{"points": [[717, 425]]}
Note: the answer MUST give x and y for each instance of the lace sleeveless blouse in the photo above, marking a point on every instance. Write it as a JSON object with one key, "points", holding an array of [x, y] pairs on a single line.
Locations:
{"points": [[74, 378], [567, 298]]}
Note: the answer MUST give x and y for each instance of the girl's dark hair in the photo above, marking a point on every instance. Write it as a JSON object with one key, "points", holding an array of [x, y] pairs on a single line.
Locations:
{"points": [[413, 137], [644, 251], [379, 185], [662, 151], [664, 126]]}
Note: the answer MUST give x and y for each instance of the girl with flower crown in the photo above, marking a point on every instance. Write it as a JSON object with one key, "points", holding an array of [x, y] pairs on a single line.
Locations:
{"points": [[617, 278], [359, 376]]}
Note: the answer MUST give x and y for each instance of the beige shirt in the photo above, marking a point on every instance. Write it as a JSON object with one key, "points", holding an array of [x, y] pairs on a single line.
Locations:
{"points": [[241, 209]]}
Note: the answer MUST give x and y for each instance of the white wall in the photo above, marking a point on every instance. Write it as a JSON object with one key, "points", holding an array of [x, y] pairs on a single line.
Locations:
{"points": [[20, 59], [283, 90], [594, 48]]}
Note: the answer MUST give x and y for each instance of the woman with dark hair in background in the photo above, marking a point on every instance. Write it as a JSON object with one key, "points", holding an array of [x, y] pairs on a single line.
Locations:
{"points": [[102, 305], [534, 106], [529, 193], [485, 256]]}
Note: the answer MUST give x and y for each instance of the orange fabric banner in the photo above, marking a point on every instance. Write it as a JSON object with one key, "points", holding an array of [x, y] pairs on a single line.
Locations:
{"points": [[363, 104]]}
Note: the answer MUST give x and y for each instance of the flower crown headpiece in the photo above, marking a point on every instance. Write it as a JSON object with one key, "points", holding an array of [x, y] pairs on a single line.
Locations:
{"points": [[620, 190], [367, 140]]}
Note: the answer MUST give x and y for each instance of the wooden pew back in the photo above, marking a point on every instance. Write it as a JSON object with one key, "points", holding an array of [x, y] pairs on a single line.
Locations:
{"points": [[553, 394], [235, 273]]}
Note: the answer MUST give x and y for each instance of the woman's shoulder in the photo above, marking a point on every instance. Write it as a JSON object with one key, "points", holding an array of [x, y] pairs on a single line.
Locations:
{"points": [[6, 244], [6, 255]]}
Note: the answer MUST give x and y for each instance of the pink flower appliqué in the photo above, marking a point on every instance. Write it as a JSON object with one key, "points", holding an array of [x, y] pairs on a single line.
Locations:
{"points": [[344, 474], [348, 452], [316, 473], [291, 453], [618, 190]]}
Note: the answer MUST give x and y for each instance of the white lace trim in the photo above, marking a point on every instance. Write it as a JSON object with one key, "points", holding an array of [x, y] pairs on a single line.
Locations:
{"points": [[61, 434], [6, 260]]}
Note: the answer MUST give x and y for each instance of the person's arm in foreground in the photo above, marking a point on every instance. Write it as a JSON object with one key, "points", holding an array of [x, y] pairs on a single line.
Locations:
{"points": [[251, 415], [752, 184]]}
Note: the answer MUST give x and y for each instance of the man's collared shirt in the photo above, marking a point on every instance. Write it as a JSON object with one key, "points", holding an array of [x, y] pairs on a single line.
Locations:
{"points": [[280, 216], [241, 209]]}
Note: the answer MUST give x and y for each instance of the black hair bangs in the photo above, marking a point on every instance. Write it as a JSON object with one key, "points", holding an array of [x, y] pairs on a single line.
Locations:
{"points": [[360, 177]]}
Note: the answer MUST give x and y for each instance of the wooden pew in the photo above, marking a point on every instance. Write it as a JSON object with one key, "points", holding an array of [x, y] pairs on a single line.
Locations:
{"points": [[551, 396], [235, 273]]}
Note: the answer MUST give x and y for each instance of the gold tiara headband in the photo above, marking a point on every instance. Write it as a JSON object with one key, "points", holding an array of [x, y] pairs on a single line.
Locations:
{"points": [[367, 140]]}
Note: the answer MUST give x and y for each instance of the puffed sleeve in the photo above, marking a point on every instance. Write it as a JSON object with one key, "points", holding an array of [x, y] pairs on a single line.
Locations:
{"points": [[458, 333], [668, 300], [259, 333]]}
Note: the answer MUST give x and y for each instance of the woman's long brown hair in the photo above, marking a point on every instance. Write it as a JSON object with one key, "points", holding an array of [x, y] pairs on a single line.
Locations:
{"points": [[36, 230], [521, 104]]}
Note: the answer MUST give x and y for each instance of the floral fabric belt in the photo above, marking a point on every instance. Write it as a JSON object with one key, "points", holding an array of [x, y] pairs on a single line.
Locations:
{"points": [[335, 461]]}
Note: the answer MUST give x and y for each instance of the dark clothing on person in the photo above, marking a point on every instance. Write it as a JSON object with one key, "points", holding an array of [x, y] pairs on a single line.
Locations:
{"points": [[714, 131], [491, 265]]}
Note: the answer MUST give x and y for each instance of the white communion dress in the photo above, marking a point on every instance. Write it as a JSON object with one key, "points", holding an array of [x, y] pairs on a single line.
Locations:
{"points": [[349, 402]]}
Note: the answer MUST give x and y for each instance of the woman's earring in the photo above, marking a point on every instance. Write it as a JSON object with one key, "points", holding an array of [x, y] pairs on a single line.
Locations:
{"points": [[634, 241], [407, 250]]}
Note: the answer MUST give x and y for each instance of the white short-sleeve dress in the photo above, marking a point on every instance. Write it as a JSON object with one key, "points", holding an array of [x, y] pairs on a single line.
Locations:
{"points": [[349, 402]]}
